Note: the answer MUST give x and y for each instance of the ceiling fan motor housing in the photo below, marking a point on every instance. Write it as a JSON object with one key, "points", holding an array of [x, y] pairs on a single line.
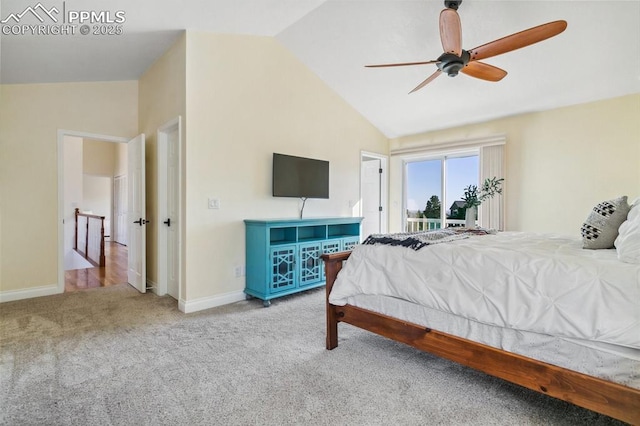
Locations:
{"points": [[451, 64], [452, 4]]}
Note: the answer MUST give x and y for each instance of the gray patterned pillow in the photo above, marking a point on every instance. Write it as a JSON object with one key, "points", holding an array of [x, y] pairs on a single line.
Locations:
{"points": [[601, 227]]}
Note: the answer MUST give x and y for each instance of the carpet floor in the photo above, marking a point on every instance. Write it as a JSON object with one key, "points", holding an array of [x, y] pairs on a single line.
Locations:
{"points": [[113, 356]]}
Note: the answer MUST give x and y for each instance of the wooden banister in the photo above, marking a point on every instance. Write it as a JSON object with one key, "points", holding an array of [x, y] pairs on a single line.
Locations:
{"points": [[101, 260], [75, 239]]}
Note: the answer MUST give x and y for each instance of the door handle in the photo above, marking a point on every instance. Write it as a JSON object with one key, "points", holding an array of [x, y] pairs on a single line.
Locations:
{"points": [[141, 221], [167, 222]]}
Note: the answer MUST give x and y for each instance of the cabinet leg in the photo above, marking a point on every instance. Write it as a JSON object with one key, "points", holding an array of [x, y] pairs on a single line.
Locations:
{"points": [[266, 303], [248, 296]]}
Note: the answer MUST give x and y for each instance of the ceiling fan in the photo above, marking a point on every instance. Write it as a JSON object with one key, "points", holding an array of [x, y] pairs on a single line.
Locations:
{"points": [[455, 59]]}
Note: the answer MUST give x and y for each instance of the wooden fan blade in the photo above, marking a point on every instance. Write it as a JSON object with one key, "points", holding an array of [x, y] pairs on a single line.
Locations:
{"points": [[427, 81], [402, 64], [451, 32], [518, 40], [484, 71]]}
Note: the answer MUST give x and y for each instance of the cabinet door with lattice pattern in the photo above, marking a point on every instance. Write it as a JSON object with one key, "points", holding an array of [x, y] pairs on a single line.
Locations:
{"points": [[350, 243], [310, 264], [283, 268]]}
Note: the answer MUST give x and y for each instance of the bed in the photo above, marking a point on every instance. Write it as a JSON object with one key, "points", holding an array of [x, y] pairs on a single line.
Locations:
{"points": [[518, 311]]}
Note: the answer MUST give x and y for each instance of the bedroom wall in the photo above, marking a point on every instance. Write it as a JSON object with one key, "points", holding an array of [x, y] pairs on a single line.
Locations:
{"points": [[30, 116], [162, 96], [248, 97], [120, 163], [97, 196], [98, 157], [559, 163]]}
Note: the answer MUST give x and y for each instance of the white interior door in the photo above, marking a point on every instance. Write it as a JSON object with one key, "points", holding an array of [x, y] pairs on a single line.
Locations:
{"points": [[172, 212], [136, 212], [371, 184], [169, 227]]}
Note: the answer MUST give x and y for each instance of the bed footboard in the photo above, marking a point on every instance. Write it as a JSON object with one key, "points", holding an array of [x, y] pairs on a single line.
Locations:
{"points": [[595, 394]]}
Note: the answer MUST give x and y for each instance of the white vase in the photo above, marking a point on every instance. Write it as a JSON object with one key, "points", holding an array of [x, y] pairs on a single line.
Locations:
{"points": [[470, 217]]}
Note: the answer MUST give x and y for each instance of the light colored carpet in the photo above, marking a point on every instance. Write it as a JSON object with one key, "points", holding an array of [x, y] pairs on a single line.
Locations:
{"points": [[112, 356]]}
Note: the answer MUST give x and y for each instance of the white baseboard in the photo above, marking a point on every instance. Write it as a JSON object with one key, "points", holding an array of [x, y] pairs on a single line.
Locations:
{"points": [[189, 306], [11, 295], [184, 305]]}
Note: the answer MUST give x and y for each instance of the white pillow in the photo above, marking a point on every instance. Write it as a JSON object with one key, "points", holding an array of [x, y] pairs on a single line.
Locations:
{"points": [[628, 241]]}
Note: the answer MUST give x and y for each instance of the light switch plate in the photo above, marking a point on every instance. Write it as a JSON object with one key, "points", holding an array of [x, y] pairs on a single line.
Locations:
{"points": [[214, 203]]}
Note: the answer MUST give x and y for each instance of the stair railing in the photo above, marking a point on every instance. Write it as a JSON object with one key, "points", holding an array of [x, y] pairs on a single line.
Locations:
{"points": [[89, 237]]}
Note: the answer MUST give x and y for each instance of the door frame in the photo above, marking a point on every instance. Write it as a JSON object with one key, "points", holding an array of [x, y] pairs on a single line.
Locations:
{"points": [[162, 252], [384, 185], [61, 135], [117, 195]]}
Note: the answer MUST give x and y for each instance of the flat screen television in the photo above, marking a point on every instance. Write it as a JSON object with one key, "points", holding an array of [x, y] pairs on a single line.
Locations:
{"points": [[300, 177]]}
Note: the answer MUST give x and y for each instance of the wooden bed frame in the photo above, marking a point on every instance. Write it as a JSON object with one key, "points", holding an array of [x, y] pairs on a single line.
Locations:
{"points": [[612, 399]]}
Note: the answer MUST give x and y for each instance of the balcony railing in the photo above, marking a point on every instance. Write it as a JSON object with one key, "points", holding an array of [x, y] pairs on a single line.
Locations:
{"points": [[426, 224]]}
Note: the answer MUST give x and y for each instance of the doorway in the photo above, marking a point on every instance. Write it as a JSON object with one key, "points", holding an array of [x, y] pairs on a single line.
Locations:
{"points": [[373, 193], [97, 196], [71, 165]]}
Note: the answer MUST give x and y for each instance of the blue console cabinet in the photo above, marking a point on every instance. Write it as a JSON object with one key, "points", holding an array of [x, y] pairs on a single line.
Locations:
{"points": [[283, 255]]}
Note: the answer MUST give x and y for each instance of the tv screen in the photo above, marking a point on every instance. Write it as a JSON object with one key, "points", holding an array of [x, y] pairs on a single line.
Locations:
{"points": [[300, 177]]}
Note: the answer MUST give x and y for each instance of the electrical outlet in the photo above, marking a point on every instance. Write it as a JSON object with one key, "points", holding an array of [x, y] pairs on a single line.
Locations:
{"points": [[214, 203], [239, 271]]}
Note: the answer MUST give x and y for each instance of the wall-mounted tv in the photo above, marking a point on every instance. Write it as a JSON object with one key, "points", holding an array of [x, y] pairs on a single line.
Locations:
{"points": [[300, 177]]}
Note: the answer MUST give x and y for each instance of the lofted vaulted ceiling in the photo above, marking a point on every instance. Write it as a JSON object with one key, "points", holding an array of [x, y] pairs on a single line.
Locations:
{"points": [[597, 57]]}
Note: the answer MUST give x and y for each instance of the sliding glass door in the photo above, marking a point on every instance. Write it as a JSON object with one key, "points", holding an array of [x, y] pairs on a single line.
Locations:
{"points": [[434, 188], [423, 189]]}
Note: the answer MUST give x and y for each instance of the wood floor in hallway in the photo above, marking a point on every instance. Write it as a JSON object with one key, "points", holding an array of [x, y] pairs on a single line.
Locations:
{"points": [[115, 271]]}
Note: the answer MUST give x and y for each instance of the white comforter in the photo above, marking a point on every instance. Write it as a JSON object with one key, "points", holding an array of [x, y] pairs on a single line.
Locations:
{"points": [[541, 283]]}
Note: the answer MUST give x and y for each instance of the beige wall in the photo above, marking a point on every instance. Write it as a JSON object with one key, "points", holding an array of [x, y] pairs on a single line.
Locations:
{"points": [[559, 163], [120, 166], [30, 116], [162, 95], [239, 118], [98, 157], [96, 197], [248, 97]]}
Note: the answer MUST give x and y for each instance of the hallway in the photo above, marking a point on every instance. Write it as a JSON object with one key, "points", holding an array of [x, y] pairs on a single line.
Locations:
{"points": [[115, 271]]}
